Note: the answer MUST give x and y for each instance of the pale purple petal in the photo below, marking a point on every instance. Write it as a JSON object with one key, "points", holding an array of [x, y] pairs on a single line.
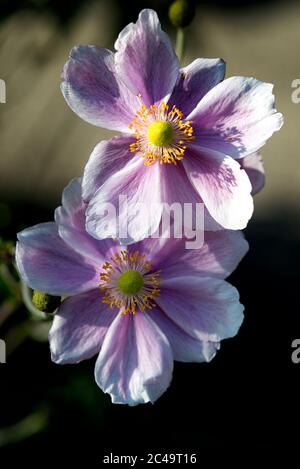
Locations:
{"points": [[206, 308], [176, 188], [135, 209], [46, 263], [219, 256], [70, 220], [93, 90], [185, 347], [79, 327], [107, 158], [145, 59], [195, 81], [223, 186], [236, 117], [254, 167], [135, 363]]}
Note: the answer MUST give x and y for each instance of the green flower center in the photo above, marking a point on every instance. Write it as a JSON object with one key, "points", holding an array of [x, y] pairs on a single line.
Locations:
{"points": [[130, 282], [160, 133]]}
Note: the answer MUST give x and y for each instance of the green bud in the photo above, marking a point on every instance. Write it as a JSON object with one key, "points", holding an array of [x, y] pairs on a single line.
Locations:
{"points": [[44, 302], [182, 12]]}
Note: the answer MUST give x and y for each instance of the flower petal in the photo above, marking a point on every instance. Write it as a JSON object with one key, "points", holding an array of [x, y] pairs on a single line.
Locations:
{"points": [[70, 219], [93, 90], [107, 158], [223, 186], [176, 186], [177, 189], [135, 363], [145, 59], [79, 327], [139, 215], [254, 167], [195, 81], [185, 347], [219, 256], [206, 308], [48, 264], [236, 117]]}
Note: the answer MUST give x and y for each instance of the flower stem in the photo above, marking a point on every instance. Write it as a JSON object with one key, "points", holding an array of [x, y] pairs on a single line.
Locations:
{"points": [[180, 43], [9, 280]]}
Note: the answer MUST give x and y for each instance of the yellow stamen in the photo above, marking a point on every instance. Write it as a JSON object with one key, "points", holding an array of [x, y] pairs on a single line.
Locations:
{"points": [[161, 134], [129, 282]]}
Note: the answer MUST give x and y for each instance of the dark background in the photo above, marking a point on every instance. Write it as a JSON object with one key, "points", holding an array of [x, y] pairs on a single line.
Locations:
{"points": [[245, 400]]}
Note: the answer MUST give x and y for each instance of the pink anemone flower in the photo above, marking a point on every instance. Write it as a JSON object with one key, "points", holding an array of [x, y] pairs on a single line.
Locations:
{"points": [[185, 132], [137, 307]]}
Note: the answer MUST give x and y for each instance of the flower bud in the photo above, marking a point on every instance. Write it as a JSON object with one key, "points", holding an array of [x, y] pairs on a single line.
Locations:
{"points": [[44, 302], [182, 12]]}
